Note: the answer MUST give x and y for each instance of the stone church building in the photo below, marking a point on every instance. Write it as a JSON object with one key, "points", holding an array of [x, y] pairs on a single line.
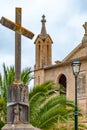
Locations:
{"points": [[61, 71]]}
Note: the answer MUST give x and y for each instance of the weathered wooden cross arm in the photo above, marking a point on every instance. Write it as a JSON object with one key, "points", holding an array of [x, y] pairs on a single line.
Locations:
{"points": [[17, 28]]}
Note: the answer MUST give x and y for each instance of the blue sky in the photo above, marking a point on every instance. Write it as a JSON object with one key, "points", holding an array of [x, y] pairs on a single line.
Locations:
{"points": [[64, 24]]}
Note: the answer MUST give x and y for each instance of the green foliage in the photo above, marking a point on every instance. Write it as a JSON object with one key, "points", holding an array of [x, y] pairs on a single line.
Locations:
{"points": [[37, 96], [1, 124], [26, 76], [49, 110], [2, 112], [47, 106]]}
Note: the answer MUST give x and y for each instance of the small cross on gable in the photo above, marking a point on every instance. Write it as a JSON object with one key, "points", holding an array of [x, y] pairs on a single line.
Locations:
{"points": [[85, 27]]}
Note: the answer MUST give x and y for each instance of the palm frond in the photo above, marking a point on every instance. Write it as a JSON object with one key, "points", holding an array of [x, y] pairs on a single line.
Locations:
{"points": [[26, 76]]}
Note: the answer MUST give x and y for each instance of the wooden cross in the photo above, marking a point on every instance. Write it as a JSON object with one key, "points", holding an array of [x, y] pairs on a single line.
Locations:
{"points": [[19, 30]]}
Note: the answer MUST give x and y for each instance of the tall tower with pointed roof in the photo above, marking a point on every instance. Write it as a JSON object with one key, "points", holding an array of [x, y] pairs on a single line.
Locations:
{"points": [[43, 45], [43, 49]]}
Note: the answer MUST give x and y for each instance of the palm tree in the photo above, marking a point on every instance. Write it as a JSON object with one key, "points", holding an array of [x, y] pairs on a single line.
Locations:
{"points": [[51, 111], [9, 76], [47, 107]]}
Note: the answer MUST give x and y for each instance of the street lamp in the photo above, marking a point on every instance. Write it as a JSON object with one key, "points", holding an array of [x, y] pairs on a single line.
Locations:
{"points": [[76, 69]]}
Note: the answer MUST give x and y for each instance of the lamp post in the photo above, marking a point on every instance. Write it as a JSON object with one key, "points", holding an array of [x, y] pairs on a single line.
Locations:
{"points": [[76, 69]]}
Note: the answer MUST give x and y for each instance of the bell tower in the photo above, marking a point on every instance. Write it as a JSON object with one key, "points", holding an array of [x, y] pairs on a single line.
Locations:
{"points": [[43, 48], [43, 53]]}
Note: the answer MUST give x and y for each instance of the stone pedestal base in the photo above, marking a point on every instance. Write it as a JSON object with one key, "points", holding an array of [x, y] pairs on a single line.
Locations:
{"points": [[19, 127]]}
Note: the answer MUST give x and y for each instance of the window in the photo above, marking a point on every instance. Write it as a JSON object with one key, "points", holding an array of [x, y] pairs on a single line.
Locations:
{"points": [[81, 85]]}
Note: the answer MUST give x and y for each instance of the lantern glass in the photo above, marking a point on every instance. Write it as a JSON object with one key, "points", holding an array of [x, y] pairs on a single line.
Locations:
{"points": [[76, 67]]}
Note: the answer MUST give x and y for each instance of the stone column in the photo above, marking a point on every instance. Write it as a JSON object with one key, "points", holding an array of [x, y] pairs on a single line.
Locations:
{"points": [[18, 108]]}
